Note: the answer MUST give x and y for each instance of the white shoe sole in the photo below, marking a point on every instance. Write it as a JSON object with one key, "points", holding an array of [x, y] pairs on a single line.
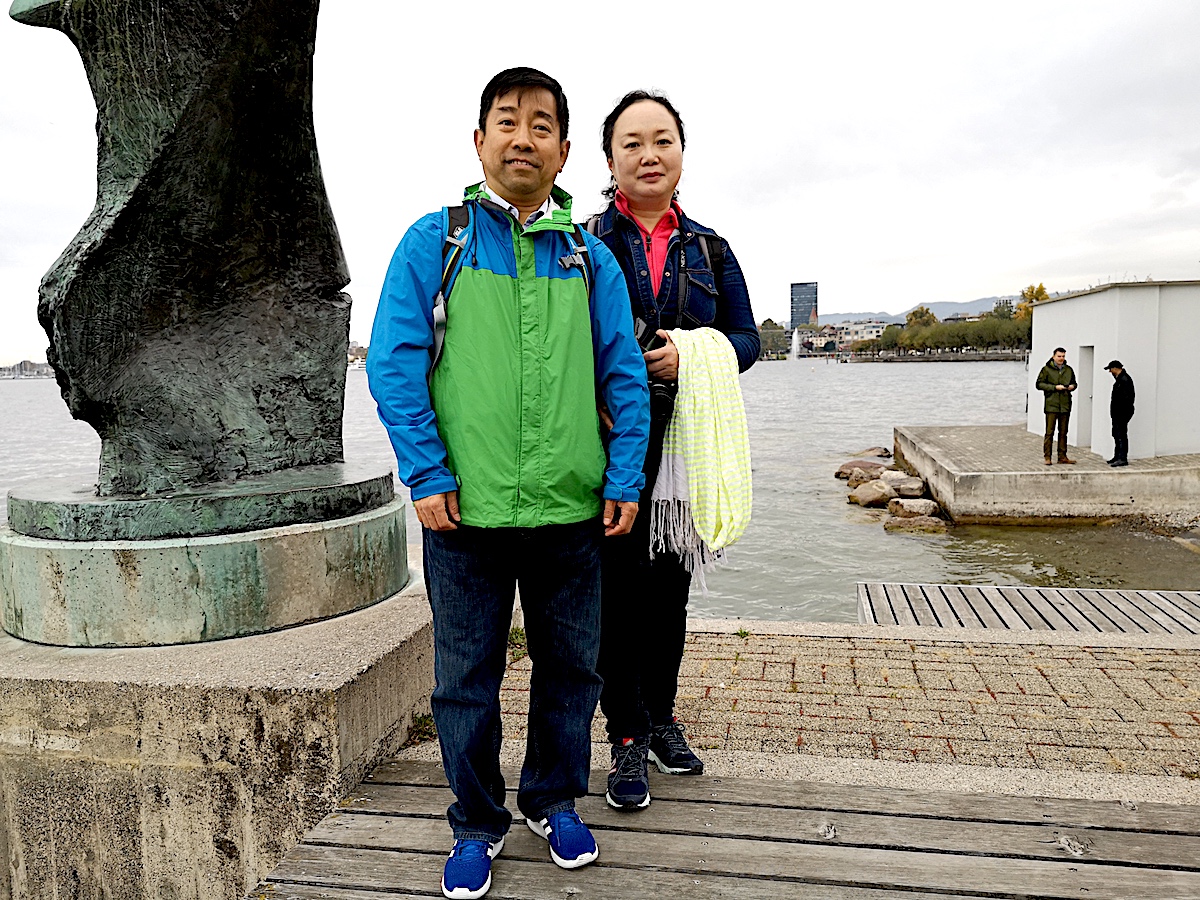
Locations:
{"points": [[626, 806], [467, 893], [536, 828], [667, 770]]}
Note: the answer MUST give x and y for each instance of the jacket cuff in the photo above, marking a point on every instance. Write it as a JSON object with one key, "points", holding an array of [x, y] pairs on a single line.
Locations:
{"points": [[621, 495], [441, 484]]}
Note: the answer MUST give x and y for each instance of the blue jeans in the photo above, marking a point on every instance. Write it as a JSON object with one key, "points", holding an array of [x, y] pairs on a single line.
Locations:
{"points": [[471, 575]]}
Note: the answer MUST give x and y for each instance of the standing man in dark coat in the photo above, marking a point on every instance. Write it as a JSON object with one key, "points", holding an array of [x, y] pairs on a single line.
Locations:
{"points": [[1121, 410], [1057, 381]]}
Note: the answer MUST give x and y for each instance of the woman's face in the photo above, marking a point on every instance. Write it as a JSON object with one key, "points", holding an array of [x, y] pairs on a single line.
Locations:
{"points": [[647, 158]]}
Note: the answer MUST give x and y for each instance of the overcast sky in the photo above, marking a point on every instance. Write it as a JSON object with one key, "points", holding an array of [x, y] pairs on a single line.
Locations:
{"points": [[894, 152]]}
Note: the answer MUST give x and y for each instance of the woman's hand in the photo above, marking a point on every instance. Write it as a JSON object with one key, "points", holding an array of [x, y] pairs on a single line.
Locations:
{"points": [[663, 363]]}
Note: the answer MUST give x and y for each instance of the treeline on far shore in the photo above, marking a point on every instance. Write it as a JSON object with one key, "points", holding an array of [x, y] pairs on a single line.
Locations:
{"points": [[1002, 328]]}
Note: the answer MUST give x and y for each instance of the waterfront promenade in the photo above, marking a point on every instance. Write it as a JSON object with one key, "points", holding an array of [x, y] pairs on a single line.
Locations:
{"points": [[846, 762]]}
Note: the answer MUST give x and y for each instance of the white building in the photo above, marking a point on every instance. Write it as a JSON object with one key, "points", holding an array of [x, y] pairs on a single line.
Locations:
{"points": [[850, 332], [1151, 327]]}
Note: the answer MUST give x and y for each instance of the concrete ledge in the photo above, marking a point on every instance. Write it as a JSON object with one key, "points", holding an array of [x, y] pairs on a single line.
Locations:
{"points": [[994, 474], [144, 593], [187, 772], [49, 509]]}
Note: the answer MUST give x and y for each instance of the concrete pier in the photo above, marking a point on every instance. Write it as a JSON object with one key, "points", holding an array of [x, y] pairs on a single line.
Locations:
{"points": [[995, 474]]}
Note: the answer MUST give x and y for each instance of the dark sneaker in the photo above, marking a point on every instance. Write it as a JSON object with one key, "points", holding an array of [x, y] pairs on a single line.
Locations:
{"points": [[571, 844], [629, 777], [468, 872], [669, 751], [1118, 463]]}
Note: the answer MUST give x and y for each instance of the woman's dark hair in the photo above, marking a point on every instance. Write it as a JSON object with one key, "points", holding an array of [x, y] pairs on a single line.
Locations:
{"points": [[610, 124], [523, 78]]}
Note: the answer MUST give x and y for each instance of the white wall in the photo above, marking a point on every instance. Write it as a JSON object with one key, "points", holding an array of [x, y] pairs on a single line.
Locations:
{"points": [[1153, 329]]}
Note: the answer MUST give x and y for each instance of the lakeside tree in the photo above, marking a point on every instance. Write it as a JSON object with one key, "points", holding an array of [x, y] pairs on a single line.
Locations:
{"points": [[1030, 296], [773, 339], [1002, 310], [921, 317]]}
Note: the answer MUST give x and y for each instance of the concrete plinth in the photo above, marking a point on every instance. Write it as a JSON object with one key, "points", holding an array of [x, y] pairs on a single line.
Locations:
{"points": [[995, 473], [49, 509], [188, 772], [142, 593]]}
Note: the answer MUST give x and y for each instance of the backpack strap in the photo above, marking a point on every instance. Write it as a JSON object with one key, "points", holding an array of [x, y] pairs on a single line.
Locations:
{"points": [[457, 224], [713, 248], [579, 257]]}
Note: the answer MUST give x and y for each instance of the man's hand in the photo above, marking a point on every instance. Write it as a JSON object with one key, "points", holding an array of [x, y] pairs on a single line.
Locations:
{"points": [[614, 524], [1060, 387], [663, 363], [439, 512]]}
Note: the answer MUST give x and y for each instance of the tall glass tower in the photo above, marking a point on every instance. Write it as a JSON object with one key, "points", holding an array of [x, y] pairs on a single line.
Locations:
{"points": [[804, 304]]}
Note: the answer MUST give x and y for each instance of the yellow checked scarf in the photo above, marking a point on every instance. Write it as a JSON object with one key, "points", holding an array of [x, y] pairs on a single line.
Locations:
{"points": [[702, 497]]}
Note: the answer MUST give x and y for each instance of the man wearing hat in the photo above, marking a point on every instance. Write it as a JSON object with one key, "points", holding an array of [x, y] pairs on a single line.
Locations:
{"points": [[1121, 410]]}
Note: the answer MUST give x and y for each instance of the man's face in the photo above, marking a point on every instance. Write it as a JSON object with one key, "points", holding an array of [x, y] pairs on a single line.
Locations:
{"points": [[1060, 358], [1114, 371], [520, 149]]}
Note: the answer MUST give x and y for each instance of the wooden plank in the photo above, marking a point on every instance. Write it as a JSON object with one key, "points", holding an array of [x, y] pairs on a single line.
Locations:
{"points": [[942, 605], [1117, 605], [899, 604], [1192, 597], [955, 600], [326, 868], [279, 890], [1165, 614], [866, 615], [809, 863], [1094, 616], [999, 604], [880, 606], [393, 806], [1032, 617], [1175, 610], [1034, 603], [1050, 597], [1165, 818], [1147, 609], [919, 604], [983, 611]]}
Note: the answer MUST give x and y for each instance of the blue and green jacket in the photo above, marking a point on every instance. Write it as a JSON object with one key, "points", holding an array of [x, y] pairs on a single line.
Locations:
{"points": [[508, 417]]}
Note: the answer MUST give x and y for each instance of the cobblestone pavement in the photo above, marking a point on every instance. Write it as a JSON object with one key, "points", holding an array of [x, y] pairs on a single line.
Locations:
{"points": [[1010, 448], [1052, 708]]}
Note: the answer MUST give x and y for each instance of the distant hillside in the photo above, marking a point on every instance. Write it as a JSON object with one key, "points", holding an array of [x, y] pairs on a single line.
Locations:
{"points": [[941, 310]]}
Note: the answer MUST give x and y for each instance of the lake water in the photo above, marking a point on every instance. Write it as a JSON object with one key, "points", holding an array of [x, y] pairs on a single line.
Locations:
{"points": [[806, 547]]}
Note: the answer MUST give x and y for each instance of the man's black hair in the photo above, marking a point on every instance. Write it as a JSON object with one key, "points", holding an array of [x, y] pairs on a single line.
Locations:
{"points": [[1060, 350], [524, 78], [610, 125]]}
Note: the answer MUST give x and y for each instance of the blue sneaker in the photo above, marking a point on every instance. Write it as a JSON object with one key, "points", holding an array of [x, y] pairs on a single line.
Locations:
{"points": [[468, 872], [571, 844]]}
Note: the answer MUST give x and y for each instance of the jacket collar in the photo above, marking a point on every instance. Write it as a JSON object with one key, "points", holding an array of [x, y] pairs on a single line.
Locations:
{"points": [[558, 206]]}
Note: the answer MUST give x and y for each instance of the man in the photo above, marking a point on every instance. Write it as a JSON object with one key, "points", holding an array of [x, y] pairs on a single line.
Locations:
{"points": [[1120, 407], [499, 441], [1057, 381]]}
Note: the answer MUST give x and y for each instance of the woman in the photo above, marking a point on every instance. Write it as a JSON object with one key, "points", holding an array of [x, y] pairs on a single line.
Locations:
{"points": [[680, 275]]}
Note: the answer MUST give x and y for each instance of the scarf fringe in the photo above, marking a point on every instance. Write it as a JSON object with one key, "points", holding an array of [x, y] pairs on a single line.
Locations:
{"points": [[672, 530]]}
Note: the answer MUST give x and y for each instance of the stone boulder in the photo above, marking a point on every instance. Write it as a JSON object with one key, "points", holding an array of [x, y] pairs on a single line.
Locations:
{"points": [[861, 476], [891, 476], [873, 493], [909, 487], [908, 508], [867, 465], [883, 452], [918, 524]]}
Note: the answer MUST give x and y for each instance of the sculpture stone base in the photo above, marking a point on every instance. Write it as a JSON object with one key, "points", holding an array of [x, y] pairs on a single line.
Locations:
{"points": [[188, 772], [122, 593]]}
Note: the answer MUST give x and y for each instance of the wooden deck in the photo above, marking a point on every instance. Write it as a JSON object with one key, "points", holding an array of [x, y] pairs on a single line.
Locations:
{"points": [[1029, 608], [743, 838]]}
